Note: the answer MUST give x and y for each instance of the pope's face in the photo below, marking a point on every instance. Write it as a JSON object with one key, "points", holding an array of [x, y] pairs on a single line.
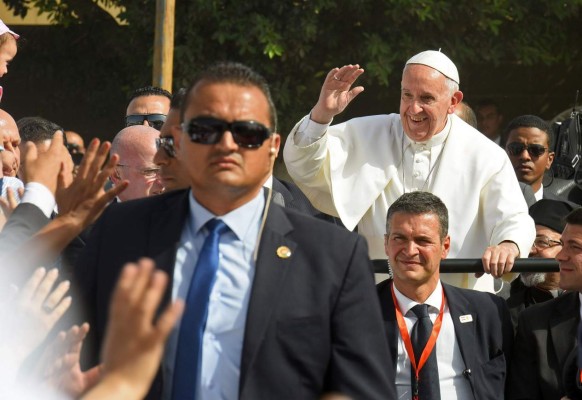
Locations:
{"points": [[425, 102]]}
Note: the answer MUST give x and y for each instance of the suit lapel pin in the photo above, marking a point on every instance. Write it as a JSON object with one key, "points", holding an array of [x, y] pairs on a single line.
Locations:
{"points": [[284, 252], [466, 318]]}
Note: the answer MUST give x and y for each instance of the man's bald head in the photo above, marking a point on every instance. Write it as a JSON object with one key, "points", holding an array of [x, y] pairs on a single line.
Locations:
{"points": [[136, 147], [132, 139], [9, 134]]}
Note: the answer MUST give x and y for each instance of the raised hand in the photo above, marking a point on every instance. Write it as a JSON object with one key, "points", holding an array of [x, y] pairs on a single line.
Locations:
{"points": [[134, 342], [34, 312], [337, 92], [60, 368], [84, 199], [9, 203], [49, 167]]}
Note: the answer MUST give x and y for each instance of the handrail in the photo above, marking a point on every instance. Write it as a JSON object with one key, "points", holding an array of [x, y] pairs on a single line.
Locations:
{"points": [[472, 265]]}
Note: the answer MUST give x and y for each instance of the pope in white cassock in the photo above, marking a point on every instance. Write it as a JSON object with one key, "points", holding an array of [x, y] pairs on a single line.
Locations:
{"points": [[356, 169]]}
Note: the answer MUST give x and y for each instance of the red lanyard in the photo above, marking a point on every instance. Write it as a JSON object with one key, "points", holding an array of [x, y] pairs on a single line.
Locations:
{"points": [[408, 343]]}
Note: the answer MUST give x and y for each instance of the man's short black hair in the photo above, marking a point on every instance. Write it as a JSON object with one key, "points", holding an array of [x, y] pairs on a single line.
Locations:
{"points": [[38, 129], [530, 121], [575, 217], [150, 91], [417, 203], [177, 99], [238, 74]]}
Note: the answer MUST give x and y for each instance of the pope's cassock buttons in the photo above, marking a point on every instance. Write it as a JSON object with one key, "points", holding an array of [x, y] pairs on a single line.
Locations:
{"points": [[284, 252]]}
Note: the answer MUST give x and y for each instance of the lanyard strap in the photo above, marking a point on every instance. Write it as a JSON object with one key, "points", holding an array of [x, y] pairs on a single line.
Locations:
{"points": [[406, 337]]}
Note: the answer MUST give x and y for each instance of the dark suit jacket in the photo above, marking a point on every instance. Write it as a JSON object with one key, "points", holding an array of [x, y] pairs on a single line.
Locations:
{"points": [[294, 199], [522, 297], [485, 343], [313, 323], [546, 334]]}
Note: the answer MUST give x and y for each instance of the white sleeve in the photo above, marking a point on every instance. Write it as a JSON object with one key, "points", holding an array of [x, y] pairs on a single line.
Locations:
{"points": [[309, 132], [39, 195]]}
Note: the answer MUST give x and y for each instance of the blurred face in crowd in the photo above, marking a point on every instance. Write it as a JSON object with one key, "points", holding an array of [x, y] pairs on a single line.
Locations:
{"points": [[415, 249], [489, 121], [425, 102], [172, 174], [547, 244], [10, 135], [528, 150], [75, 143], [226, 170], [9, 164], [570, 258], [8, 51], [136, 163]]}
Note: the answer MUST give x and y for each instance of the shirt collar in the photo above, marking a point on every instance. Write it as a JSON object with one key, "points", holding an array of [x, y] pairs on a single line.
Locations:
{"points": [[437, 139], [237, 220], [434, 300], [269, 182]]}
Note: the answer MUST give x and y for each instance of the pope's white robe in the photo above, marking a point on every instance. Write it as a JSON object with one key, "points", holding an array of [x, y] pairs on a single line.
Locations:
{"points": [[355, 172]]}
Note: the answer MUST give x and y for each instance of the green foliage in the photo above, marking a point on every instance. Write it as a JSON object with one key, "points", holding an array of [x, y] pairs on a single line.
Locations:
{"points": [[295, 42]]}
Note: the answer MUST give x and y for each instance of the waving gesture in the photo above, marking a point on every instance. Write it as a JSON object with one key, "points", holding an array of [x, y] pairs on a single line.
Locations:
{"points": [[336, 93]]}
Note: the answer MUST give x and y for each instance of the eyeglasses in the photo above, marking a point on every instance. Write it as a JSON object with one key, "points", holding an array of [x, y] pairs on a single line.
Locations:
{"points": [[148, 173], [154, 120], [166, 143], [205, 130], [544, 242], [534, 150]]}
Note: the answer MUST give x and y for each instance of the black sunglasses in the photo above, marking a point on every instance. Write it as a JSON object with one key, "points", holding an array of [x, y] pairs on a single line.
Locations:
{"points": [[154, 120], [166, 143], [206, 130], [534, 150]]}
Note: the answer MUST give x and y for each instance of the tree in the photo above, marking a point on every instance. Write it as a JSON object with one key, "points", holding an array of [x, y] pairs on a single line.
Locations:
{"points": [[294, 43]]}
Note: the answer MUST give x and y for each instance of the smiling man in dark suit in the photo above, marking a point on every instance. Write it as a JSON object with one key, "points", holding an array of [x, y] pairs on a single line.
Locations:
{"points": [[473, 329], [289, 311], [546, 332]]}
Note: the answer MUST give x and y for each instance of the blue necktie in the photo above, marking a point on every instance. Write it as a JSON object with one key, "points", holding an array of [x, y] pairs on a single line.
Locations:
{"points": [[189, 350]]}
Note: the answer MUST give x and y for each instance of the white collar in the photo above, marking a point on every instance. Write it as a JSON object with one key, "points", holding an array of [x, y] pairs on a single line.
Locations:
{"points": [[436, 140], [434, 300]]}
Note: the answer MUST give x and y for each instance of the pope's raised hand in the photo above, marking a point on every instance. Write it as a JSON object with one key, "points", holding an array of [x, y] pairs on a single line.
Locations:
{"points": [[337, 92]]}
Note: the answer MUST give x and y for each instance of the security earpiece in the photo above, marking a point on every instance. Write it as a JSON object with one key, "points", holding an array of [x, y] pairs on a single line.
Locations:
{"points": [[273, 151]]}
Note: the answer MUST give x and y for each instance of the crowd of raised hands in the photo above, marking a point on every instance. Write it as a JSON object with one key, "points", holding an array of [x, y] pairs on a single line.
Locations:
{"points": [[39, 359], [38, 363]]}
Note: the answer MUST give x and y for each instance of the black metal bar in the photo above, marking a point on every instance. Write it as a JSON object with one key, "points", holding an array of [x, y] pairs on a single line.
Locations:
{"points": [[459, 265]]}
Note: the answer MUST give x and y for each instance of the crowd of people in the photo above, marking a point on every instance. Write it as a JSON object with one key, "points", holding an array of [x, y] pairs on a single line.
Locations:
{"points": [[172, 264]]}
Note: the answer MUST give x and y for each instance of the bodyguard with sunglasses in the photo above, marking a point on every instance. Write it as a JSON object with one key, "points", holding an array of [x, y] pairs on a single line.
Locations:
{"points": [[279, 305], [172, 174], [148, 106], [528, 146]]}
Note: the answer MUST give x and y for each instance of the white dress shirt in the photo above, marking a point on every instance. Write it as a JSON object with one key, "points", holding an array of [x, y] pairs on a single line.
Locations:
{"points": [[453, 384], [223, 337]]}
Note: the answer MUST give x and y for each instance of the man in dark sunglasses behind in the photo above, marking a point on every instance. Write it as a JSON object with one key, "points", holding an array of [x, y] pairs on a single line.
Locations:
{"points": [[172, 174], [148, 106], [279, 305], [529, 149]]}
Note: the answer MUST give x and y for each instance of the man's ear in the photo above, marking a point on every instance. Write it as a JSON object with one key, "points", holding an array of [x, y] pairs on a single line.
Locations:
{"points": [[455, 100], [446, 247], [275, 144]]}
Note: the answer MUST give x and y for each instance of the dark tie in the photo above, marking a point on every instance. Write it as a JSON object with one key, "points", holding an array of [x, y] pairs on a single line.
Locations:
{"points": [[428, 380], [189, 349]]}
